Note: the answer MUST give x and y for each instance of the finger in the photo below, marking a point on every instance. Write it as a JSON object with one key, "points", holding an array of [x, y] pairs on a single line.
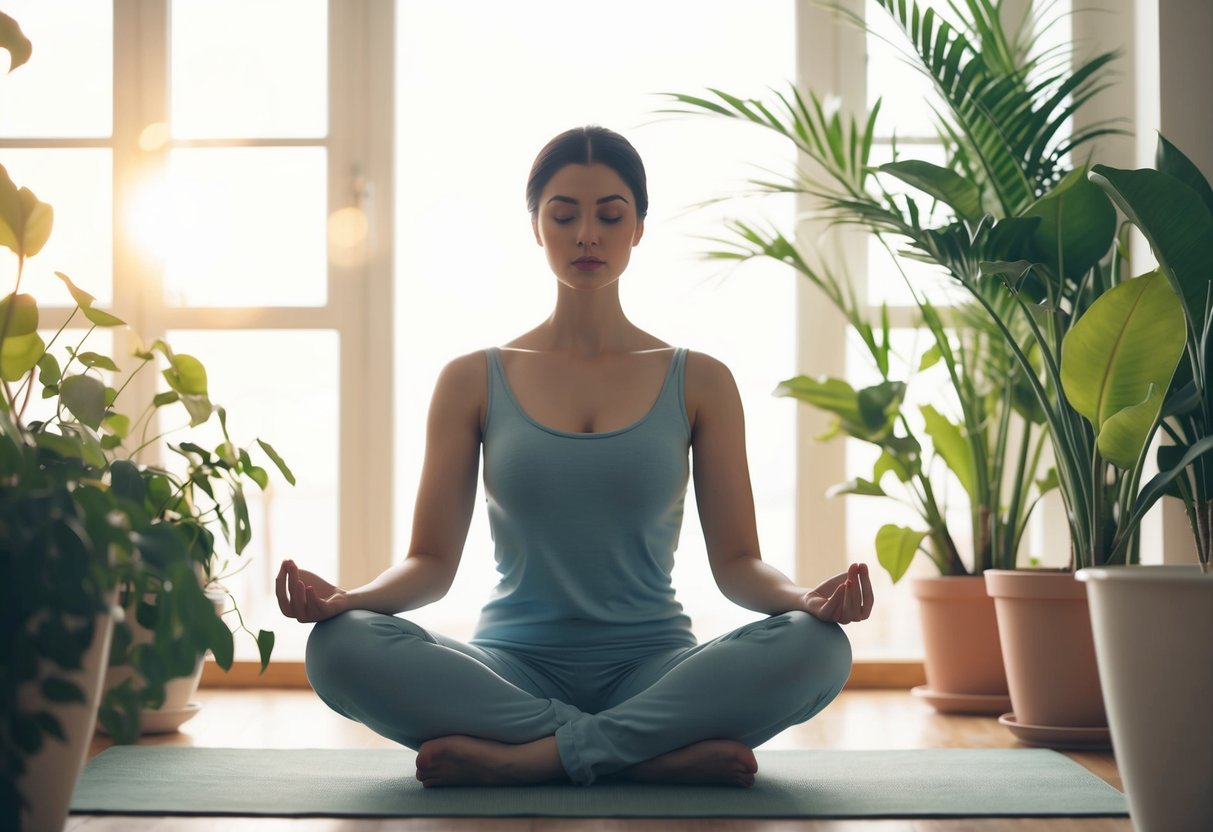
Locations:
{"points": [[299, 591], [284, 603], [313, 604], [854, 601], [865, 584]]}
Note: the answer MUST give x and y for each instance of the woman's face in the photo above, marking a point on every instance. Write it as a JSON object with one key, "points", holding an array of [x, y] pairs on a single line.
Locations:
{"points": [[587, 225]]}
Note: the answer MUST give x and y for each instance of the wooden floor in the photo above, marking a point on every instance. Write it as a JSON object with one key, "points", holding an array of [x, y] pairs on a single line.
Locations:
{"points": [[857, 719]]}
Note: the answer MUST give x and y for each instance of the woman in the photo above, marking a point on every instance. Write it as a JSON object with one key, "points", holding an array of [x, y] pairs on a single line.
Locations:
{"points": [[582, 664]]}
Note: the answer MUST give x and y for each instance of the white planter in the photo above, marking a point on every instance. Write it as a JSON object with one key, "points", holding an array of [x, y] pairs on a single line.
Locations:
{"points": [[1153, 630], [50, 775]]}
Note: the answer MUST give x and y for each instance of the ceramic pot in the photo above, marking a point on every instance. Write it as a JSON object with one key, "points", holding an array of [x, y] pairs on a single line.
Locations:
{"points": [[1047, 648], [963, 657], [1154, 638], [178, 706], [51, 774]]}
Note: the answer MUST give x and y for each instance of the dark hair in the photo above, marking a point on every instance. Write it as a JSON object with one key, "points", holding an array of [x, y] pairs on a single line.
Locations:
{"points": [[584, 146]]}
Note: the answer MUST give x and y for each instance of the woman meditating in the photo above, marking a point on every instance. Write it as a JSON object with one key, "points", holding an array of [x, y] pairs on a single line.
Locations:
{"points": [[582, 664]]}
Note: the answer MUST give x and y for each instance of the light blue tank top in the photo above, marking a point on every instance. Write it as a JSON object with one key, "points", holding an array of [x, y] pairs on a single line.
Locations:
{"points": [[585, 525]]}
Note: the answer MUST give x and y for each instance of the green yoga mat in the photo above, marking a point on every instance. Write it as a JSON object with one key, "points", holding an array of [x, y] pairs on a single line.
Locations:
{"points": [[792, 784]]}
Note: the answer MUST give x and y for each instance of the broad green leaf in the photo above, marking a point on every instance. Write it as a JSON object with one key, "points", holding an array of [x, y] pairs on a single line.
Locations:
{"points": [[858, 486], [127, 482], [1011, 273], [902, 468], [14, 40], [265, 647], [1170, 160], [94, 359], [952, 446], [1078, 225], [1125, 434], [1048, 482], [186, 375], [38, 219], [896, 547], [84, 396], [943, 184], [48, 370], [199, 408], [1126, 343], [221, 643], [244, 532], [56, 689], [85, 301], [277, 460], [1175, 221], [117, 424], [24, 311], [161, 399], [61, 445], [930, 358], [12, 220], [20, 354]]}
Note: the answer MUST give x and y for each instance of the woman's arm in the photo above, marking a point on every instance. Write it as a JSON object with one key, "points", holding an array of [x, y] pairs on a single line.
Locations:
{"points": [[443, 512], [726, 510]]}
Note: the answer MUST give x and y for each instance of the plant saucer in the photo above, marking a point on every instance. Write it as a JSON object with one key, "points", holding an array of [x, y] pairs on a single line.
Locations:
{"points": [[1049, 736], [161, 721], [963, 703]]}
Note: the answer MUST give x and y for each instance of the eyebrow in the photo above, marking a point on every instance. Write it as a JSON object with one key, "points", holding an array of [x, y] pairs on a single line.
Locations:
{"points": [[571, 201]]}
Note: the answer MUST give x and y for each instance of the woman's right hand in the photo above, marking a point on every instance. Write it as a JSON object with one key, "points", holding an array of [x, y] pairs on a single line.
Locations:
{"points": [[305, 596]]}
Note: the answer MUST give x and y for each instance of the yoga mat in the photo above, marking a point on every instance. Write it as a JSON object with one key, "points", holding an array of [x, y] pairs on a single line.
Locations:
{"points": [[164, 780]]}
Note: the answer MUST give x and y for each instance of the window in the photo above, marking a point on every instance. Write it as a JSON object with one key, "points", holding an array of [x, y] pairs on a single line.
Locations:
{"points": [[209, 167]]}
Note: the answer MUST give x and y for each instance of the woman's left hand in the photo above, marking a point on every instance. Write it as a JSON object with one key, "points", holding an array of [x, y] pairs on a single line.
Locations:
{"points": [[845, 598]]}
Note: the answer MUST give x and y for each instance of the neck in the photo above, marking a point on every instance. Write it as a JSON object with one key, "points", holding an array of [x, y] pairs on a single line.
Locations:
{"points": [[587, 323]]}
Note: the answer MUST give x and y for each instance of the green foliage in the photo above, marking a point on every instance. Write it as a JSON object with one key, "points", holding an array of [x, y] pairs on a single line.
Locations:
{"points": [[83, 521], [1004, 217], [1173, 208]]}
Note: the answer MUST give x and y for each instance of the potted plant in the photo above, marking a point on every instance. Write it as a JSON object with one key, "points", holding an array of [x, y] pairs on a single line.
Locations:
{"points": [[1152, 623], [1006, 195], [81, 520]]}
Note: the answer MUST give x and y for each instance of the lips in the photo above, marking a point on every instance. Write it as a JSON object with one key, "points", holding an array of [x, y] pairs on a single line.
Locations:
{"points": [[588, 264]]}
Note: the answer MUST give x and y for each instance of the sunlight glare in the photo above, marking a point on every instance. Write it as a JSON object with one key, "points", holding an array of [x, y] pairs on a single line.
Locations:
{"points": [[347, 233], [154, 136]]}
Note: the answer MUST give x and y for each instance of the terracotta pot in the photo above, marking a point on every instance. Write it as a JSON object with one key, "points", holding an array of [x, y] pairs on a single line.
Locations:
{"points": [[1154, 638], [1047, 648], [963, 657], [51, 774]]}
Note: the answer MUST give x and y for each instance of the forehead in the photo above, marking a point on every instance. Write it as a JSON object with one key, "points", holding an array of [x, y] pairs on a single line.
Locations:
{"points": [[586, 183]]}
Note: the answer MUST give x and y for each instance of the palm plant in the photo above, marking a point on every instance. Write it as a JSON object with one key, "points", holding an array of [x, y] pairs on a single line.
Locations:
{"points": [[1030, 239], [1007, 196]]}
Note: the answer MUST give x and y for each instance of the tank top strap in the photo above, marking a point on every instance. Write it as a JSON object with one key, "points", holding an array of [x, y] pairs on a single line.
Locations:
{"points": [[673, 394]]}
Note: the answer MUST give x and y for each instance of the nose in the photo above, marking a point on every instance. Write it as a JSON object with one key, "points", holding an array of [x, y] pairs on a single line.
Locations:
{"points": [[587, 234]]}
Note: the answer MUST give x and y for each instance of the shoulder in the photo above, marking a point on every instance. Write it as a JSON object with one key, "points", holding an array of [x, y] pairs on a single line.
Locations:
{"points": [[710, 388], [465, 374], [462, 386]]}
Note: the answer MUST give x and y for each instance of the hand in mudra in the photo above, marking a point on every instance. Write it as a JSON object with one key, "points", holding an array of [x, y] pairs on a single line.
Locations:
{"points": [[843, 599], [306, 596]]}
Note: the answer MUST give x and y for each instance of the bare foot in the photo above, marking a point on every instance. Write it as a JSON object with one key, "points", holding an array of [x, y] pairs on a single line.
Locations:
{"points": [[469, 761], [707, 763]]}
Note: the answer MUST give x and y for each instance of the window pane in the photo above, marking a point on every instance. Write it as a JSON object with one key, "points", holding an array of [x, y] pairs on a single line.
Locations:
{"points": [[280, 386], [66, 88], [249, 68], [77, 184], [907, 95], [248, 227], [454, 198]]}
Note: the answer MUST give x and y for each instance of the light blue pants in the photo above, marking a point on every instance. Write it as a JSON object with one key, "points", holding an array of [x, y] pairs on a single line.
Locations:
{"points": [[608, 708]]}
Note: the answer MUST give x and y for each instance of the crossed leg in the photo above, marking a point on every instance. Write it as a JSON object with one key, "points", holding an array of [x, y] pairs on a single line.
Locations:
{"points": [[476, 719]]}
